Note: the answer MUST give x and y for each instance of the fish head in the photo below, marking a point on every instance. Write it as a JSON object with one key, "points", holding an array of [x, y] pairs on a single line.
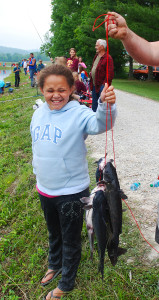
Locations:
{"points": [[110, 176]]}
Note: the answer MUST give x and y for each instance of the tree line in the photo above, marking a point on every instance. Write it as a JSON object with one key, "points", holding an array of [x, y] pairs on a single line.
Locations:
{"points": [[16, 57], [72, 23]]}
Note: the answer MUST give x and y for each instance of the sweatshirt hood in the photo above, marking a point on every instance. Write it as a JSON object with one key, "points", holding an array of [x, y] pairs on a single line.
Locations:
{"points": [[69, 105]]}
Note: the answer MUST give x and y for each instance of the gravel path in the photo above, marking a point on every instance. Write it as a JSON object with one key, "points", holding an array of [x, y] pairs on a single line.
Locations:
{"points": [[136, 138]]}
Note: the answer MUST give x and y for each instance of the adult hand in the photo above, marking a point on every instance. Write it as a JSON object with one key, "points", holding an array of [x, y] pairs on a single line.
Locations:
{"points": [[108, 94], [117, 27]]}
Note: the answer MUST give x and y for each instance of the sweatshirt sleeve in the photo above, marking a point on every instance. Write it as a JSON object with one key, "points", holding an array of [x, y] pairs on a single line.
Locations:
{"points": [[95, 122]]}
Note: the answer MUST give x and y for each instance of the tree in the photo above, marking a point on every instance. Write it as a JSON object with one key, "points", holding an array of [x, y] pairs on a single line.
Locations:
{"points": [[139, 19]]}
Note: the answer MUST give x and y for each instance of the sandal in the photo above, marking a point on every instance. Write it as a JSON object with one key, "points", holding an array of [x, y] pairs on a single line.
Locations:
{"points": [[52, 296], [56, 273]]}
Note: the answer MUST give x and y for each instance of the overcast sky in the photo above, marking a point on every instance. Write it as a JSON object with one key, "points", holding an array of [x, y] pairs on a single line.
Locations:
{"points": [[16, 23]]}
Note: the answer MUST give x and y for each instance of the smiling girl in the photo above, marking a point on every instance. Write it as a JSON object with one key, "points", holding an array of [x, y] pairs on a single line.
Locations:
{"points": [[59, 129]]}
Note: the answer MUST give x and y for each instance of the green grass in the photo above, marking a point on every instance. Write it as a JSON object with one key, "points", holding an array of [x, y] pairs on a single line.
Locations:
{"points": [[148, 89], [24, 238]]}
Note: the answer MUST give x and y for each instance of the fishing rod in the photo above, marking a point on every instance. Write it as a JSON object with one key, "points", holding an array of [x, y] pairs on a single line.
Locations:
{"points": [[36, 29]]}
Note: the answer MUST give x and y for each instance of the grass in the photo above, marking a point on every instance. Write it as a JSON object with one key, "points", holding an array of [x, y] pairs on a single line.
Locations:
{"points": [[148, 89], [23, 234]]}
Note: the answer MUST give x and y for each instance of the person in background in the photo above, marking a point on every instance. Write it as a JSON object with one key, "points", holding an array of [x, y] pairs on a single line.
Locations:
{"points": [[40, 66], [81, 63], [58, 129], [79, 85], [25, 66], [140, 49], [2, 84], [98, 75], [83, 75], [32, 68], [72, 61], [61, 60], [17, 70]]}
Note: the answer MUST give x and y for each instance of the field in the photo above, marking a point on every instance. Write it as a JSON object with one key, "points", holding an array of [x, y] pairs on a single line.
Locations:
{"points": [[23, 234]]}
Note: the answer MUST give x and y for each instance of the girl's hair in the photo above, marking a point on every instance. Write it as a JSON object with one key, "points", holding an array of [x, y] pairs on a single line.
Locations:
{"points": [[55, 69], [61, 60], [73, 49], [81, 69]]}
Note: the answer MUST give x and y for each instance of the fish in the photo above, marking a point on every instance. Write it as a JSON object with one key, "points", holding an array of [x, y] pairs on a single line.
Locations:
{"points": [[90, 230], [88, 206], [114, 196], [104, 214], [157, 226], [100, 227]]}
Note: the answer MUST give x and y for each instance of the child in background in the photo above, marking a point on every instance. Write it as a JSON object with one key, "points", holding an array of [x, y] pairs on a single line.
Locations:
{"points": [[17, 70], [79, 85], [59, 129], [72, 61]]}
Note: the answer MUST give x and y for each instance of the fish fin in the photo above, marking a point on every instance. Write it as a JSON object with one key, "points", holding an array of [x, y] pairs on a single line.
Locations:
{"points": [[111, 160], [122, 195], [157, 235], [87, 202], [121, 251]]}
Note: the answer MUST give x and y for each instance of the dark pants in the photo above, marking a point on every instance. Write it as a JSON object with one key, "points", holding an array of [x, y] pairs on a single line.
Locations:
{"points": [[95, 97], [25, 71], [64, 218], [17, 80], [32, 71]]}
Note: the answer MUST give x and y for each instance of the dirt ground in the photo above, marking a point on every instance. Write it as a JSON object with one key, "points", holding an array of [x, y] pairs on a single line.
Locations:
{"points": [[136, 141]]}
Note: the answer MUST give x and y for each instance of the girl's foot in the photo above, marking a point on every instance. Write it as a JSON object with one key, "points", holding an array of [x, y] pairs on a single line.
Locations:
{"points": [[56, 294], [49, 276]]}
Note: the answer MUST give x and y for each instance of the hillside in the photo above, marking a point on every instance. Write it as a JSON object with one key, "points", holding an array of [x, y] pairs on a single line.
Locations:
{"points": [[16, 50]]}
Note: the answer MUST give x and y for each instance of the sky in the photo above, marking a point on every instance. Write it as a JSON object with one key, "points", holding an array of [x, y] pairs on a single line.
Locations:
{"points": [[18, 20]]}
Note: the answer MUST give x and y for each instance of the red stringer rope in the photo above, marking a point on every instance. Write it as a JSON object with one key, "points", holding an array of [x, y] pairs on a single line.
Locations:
{"points": [[139, 227], [111, 118], [107, 76]]}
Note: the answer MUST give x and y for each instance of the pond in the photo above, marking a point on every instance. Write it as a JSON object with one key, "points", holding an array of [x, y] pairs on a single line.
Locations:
{"points": [[4, 74]]}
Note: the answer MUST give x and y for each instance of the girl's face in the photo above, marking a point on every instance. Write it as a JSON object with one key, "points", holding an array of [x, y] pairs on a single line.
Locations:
{"points": [[72, 53], [56, 91]]}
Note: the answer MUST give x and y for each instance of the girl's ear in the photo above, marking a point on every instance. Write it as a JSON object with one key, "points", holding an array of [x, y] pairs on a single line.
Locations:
{"points": [[73, 88], [41, 90]]}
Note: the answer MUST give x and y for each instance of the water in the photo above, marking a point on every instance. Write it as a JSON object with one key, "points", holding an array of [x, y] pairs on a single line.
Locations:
{"points": [[4, 74]]}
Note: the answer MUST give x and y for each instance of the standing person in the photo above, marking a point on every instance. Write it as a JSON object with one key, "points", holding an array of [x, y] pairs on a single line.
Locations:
{"points": [[17, 70], [25, 66], [59, 128], [141, 50], [98, 75], [81, 63], [32, 68], [2, 85], [72, 61], [40, 66]]}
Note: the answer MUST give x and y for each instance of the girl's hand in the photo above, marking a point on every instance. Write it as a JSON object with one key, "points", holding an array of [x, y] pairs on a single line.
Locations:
{"points": [[117, 27], [108, 94]]}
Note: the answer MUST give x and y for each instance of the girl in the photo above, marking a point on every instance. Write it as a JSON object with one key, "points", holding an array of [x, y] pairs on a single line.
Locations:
{"points": [[72, 61], [59, 128]]}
